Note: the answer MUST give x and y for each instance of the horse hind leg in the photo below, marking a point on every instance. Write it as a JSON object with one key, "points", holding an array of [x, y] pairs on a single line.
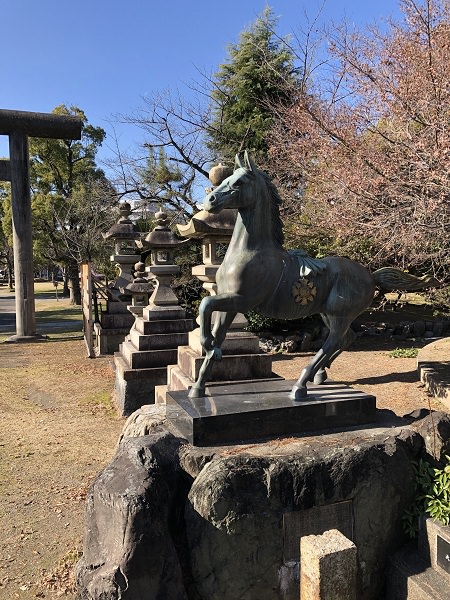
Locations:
{"points": [[329, 351], [321, 375]]}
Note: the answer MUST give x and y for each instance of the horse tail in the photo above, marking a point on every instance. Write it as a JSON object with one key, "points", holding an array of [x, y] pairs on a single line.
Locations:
{"points": [[389, 279]]}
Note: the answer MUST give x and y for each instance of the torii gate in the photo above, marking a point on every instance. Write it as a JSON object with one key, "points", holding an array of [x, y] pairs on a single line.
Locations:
{"points": [[19, 125]]}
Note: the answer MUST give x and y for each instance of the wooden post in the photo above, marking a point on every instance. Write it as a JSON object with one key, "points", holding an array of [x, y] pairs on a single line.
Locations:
{"points": [[18, 125], [22, 236]]}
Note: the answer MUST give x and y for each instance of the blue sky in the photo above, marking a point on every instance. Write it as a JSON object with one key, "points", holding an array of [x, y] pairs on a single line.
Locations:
{"points": [[105, 55]]}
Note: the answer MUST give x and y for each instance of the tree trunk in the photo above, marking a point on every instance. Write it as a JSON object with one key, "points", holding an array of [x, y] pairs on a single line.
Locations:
{"points": [[65, 283], [10, 269], [74, 283]]}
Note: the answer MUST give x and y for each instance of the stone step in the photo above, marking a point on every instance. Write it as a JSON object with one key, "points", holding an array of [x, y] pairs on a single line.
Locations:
{"points": [[157, 341], [118, 308], [236, 342], [135, 387], [146, 359], [163, 326], [410, 578], [117, 320], [232, 367], [177, 380], [163, 313]]}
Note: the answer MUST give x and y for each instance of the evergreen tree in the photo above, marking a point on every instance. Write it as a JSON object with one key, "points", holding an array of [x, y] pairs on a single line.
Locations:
{"points": [[259, 74], [71, 199]]}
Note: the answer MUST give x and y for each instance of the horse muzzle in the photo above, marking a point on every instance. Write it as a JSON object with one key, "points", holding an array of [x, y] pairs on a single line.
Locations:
{"points": [[215, 202], [212, 203]]}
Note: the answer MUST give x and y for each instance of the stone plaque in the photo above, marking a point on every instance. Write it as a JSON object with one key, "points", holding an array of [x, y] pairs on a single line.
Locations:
{"points": [[315, 521], [443, 554]]}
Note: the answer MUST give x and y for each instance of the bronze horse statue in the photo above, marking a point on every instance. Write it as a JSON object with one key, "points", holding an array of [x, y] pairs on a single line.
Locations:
{"points": [[258, 274]]}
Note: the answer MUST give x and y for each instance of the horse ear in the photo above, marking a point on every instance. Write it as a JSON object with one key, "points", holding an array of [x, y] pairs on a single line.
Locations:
{"points": [[238, 162], [249, 164]]}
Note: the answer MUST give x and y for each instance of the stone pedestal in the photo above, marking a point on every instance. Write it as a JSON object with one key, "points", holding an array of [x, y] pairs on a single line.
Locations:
{"points": [[113, 327], [169, 520], [328, 567], [241, 411], [141, 363]]}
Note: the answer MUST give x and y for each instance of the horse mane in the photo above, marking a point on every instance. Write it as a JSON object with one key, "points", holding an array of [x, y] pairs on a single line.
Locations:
{"points": [[275, 198]]}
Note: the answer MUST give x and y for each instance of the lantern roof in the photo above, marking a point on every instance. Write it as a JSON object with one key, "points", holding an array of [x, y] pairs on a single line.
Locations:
{"points": [[204, 224], [124, 229], [162, 236]]}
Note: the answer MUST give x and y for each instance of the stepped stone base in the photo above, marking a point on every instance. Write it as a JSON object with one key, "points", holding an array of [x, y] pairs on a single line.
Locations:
{"points": [[233, 367], [410, 578], [423, 572], [141, 363]]}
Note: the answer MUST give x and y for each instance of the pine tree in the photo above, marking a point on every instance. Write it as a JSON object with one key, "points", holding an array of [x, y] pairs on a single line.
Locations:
{"points": [[259, 74]]}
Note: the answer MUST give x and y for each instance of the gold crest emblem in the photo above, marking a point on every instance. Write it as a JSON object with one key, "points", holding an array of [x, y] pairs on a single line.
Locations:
{"points": [[304, 291]]}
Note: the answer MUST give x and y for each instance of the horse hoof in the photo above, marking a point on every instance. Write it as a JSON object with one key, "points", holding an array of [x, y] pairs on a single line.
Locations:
{"points": [[320, 377], [196, 392], [298, 393]]}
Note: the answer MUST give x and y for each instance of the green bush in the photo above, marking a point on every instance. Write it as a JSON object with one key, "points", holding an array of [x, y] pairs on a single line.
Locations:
{"points": [[258, 322], [432, 495], [404, 353]]}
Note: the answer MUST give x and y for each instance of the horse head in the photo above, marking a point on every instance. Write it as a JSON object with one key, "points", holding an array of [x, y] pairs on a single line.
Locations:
{"points": [[235, 191]]}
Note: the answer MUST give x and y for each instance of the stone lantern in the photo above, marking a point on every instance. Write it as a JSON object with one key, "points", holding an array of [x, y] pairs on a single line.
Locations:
{"points": [[140, 290], [124, 235], [160, 327], [214, 231], [162, 243]]}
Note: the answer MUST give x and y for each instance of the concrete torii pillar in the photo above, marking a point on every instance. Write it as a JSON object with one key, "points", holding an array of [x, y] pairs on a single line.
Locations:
{"points": [[19, 125]]}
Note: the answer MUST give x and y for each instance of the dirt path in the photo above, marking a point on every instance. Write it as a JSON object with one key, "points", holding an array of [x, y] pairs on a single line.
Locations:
{"points": [[369, 367], [58, 429]]}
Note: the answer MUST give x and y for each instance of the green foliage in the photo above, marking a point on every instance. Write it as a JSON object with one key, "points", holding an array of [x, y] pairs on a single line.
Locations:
{"points": [[260, 73], [258, 322], [440, 299], [58, 166], [404, 353], [72, 200], [188, 288], [158, 181], [432, 495]]}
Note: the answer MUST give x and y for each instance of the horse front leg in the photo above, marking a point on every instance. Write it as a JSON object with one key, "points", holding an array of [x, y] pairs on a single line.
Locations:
{"points": [[212, 341]]}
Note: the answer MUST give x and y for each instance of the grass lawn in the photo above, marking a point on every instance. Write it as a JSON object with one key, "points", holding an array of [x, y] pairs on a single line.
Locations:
{"points": [[56, 318]]}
